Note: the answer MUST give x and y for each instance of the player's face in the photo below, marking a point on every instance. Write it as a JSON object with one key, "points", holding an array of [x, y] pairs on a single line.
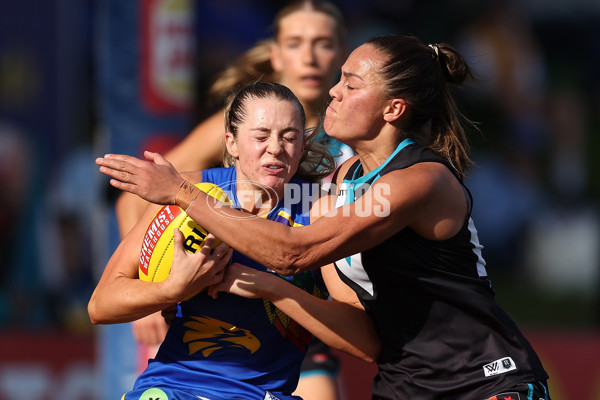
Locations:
{"points": [[269, 143], [358, 100], [307, 54]]}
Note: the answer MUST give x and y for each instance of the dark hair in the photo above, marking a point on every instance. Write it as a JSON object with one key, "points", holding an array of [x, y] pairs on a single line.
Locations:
{"points": [[421, 74], [316, 162]]}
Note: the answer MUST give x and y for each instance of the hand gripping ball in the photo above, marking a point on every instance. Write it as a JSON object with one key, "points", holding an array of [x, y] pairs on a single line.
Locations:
{"points": [[156, 255]]}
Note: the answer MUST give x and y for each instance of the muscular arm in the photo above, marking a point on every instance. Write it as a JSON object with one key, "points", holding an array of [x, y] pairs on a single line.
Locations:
{"points": [[425, 196]]}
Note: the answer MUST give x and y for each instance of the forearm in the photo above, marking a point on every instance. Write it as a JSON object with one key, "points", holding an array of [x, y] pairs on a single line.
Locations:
{"points": [[120, 296], [288, 250], [340, 325], [284, 252], [281, 248], [125, 299]]}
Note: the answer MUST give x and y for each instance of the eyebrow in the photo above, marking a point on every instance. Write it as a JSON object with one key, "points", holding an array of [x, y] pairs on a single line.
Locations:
{"points": [[347, 75], [300, 38], [266, 129]]}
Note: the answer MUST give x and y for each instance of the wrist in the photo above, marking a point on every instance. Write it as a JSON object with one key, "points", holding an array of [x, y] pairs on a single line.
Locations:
{"points": [[271, 286], [186, 195]]}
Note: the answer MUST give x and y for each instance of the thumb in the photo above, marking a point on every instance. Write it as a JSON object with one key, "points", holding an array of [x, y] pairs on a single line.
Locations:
{"points": [[156, 158], [178, 241]]}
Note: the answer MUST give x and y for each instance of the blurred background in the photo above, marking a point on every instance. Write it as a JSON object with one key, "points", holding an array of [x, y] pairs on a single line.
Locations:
{"points": [[79, 78]]}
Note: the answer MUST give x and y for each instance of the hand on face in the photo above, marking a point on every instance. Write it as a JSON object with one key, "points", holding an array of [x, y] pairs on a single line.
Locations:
{"points": [[155, 180]]}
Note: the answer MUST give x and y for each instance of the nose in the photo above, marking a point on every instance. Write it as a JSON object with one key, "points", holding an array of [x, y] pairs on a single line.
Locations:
{"points": [[275, 145], [308, 54], [334, 92]]}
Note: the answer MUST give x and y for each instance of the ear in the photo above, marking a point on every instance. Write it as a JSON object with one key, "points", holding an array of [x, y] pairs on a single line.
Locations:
{"points": [[275, 54], [231, 145], [394, 110]]}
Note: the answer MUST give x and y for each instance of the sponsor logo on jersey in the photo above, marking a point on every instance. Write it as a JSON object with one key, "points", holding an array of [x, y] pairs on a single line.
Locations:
{"points": [[207, 335], [499, 366]]}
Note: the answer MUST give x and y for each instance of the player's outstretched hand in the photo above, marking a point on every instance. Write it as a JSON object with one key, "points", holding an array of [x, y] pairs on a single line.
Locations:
{"points": [[154, 180]]}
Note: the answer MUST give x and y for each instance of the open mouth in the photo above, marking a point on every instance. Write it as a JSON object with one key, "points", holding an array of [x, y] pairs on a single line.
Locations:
{"points": [[274, 168]]}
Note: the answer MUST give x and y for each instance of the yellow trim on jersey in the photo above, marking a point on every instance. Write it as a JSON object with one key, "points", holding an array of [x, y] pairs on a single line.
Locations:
{"points": [[287, 216]]}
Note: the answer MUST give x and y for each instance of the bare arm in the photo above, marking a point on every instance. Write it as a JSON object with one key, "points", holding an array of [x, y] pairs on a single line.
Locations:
{"points": [[341, 323], [425, 197], [121, 297]]}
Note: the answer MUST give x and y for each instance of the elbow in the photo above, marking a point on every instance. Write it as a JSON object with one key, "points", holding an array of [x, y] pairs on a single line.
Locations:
{"points": [[369, 353], [372, 355], [288, 264], [292, 260], [94, 313]]}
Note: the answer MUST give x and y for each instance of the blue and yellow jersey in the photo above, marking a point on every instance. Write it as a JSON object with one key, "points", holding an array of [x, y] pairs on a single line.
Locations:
{"points": [[232, 347]]}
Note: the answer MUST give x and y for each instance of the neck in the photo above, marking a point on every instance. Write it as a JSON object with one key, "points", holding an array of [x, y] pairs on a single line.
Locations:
{"points": [[256, 200], [373, 153]]}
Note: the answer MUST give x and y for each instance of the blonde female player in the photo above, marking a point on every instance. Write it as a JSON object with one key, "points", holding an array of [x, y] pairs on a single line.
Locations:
{"points": [[231, 347], [305, 55]]}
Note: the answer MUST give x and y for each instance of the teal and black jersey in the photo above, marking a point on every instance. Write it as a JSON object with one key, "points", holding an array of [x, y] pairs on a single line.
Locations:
{"points": [[443, 334], [233, 347]]}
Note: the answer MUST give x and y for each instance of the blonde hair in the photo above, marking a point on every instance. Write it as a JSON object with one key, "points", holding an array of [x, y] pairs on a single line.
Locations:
{"points": [[255, 63], [316, 161]]}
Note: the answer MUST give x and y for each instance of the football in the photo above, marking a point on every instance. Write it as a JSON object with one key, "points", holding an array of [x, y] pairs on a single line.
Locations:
{"points": [[156, 255]]}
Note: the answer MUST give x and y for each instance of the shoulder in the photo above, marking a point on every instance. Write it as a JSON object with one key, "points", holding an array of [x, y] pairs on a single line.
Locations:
{"points": [[219, 175], [419, 179], [427, 197]]}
